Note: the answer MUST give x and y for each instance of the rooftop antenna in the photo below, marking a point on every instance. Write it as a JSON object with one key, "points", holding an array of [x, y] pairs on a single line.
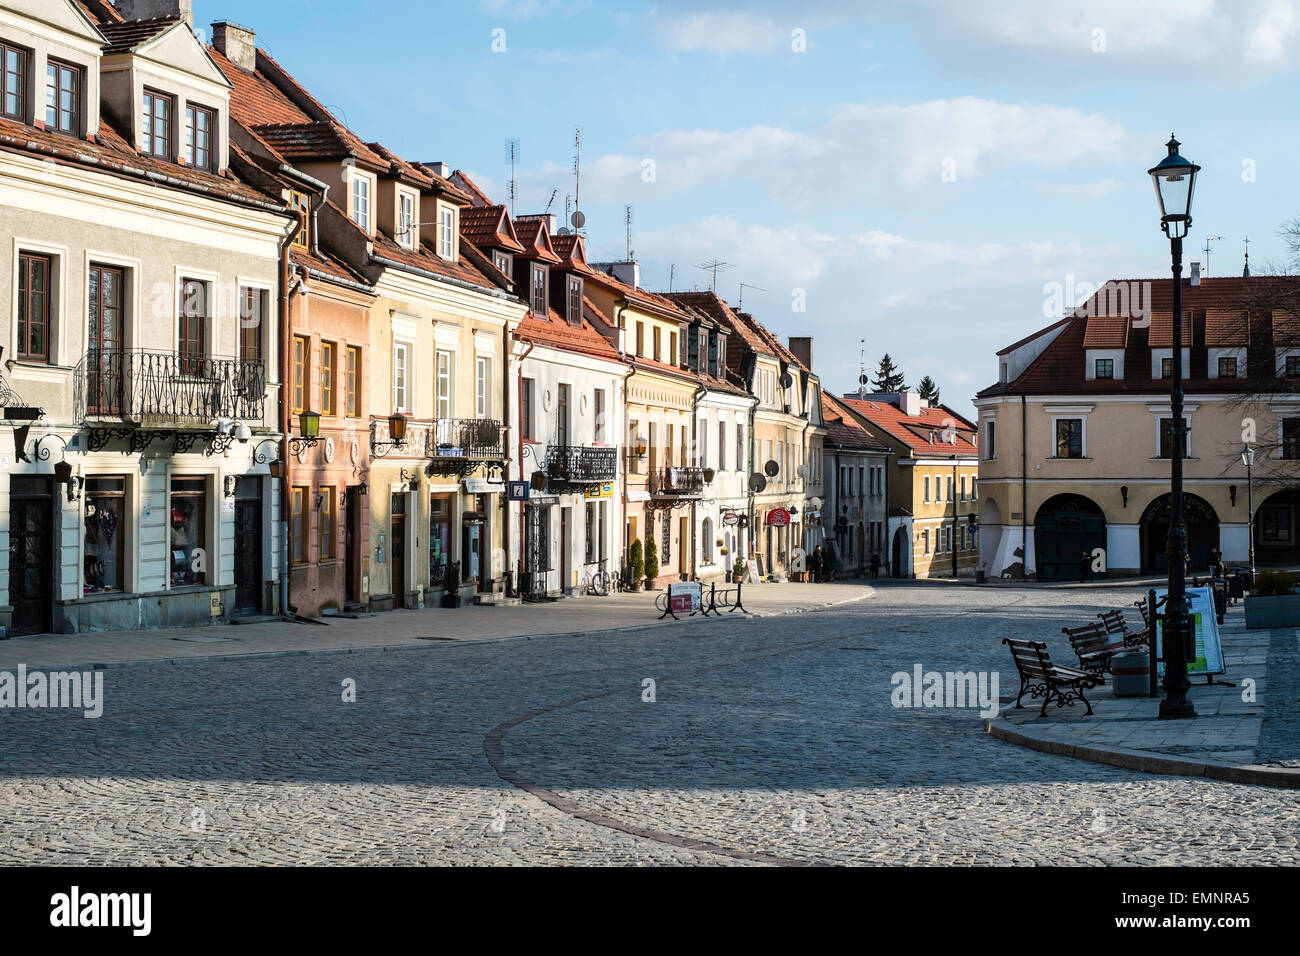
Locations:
{"points": [[627, 224], [740, 303], [1209, 240], [577, 219], [1245, 273], [549, 202], [862, 368], [512, 157], [672, 274], [715, 266]]}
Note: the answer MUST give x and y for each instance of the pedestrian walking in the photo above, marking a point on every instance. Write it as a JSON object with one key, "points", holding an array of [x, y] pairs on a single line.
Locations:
{"points": [[817, 562], [875, 565]]}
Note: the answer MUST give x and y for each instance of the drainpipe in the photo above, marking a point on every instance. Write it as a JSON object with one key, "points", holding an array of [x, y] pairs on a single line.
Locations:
{"points": [[1024, 489], [519, 584], [700, 392], [285, 503], [627, 420]]}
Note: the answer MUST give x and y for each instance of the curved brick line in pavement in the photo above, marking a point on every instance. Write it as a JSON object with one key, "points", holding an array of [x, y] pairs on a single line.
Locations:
{"points": [[493, 749]]}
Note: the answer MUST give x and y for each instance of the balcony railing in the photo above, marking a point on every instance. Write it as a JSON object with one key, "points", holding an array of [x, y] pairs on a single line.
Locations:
{"points": [[167, 388], [581, 464], [474, 439], [677, 482]]}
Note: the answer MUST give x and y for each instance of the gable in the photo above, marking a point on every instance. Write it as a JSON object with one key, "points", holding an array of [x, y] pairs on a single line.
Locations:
{"points": [[179, 49], [64, 16]]}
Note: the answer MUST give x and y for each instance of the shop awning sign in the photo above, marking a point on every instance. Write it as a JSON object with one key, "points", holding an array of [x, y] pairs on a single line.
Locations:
{"points": [[606, 490], [778, 518]]}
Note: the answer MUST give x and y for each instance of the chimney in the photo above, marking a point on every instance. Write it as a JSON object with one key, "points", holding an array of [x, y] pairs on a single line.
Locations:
{"points": [[237, 44], [628, 273], [909, 403], [801, 347], [146, 9], [444, 170]]}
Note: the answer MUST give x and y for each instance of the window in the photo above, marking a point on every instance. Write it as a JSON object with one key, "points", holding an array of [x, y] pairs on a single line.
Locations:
{"points": [[562, 415], [673, 357], [406, 220], [34, 273], [199, 123], [156, 126], [1069, 438], [590, 551], [446, 233], [990, 441], [1167, 367], [706, 540], [925, 541], [654, 338], [927, 488], [703, 444], [539, 289], [1167, 438], [948, 482], [192, 327], [300, 346], [1275, 524], [640, 338], [722, 446], [325, 524], [252, 322], [963, 487], [301, 204], [740, 447], [189, 508], [352, 403], [105, 528], [1227, 366], [361, 202], [526, 409], [1293, 366], [443, 383], [598, 416], [298, 525], [328, 350], [575, 300], [1105, 368], [1291, 438], [502, 261], [13, 82], [62, 98], [401, 363], [482, 386]]}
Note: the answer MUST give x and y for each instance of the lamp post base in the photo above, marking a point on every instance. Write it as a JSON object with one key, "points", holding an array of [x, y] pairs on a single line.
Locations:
{"points": [[1180, 709]]}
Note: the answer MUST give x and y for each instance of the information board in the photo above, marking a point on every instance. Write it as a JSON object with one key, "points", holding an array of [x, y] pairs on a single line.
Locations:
{"points": [[684, 598], [1208, 657]]}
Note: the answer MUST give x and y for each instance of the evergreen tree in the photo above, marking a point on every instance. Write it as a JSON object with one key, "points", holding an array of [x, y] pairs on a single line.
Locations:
{"points": [[888, 377], [928, 390]]}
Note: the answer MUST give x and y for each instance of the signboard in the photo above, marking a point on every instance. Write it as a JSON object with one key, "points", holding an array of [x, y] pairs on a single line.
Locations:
{"points": [[482, 486], [778, 518], [730, 518], [518, 491], [638, 494], [1208, 656], [684, 598], [606, 490]]}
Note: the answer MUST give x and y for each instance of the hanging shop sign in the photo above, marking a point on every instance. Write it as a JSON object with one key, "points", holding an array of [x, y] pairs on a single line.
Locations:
{"points": [[606, 490], [518, 491], [778, 518]]}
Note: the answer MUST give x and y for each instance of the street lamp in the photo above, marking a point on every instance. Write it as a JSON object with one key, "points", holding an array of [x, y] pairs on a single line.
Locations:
{"points": [[1248, 459], [1174, 179]]}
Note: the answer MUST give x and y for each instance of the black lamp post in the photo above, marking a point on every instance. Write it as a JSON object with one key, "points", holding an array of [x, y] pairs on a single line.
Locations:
{"points": [[1248, 459], [1174, 179]]}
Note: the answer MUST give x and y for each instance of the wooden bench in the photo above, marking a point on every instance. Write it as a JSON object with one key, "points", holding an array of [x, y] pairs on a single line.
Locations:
{"points": [[1094, 646], [1042, 678], [1115, 624]]}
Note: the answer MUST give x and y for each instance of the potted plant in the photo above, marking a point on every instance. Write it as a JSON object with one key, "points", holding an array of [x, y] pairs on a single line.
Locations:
{"points": [[738, 569], [651, 563], [637, 563], [451, 597], [1273, 601]]}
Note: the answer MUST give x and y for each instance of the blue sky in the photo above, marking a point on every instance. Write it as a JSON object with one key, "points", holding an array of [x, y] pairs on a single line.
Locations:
{"points": [[921, 174]]}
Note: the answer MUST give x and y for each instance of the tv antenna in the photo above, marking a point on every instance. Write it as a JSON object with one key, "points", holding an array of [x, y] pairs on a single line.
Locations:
{"points": [[1209, 241], [1246, 271], [550, 202], [512, 157], [578, 220], [672, 274], [715, 266], [743, 286]]}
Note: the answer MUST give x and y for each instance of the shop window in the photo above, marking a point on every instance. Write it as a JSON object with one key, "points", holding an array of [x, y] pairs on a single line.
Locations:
{"points": [[189, 515], [298, 525], [104, 529]]}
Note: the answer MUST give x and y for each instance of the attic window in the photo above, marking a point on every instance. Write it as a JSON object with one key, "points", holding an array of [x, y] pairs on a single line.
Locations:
{"points": [[446, 233], [13, 82], [575, 300], [299, 203], [62, 97], [199, 124], [539, 289], [156, 129], [502, 261]]}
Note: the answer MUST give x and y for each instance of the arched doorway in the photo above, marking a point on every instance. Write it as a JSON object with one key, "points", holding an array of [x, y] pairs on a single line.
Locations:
{"points": [[896, 557], [1202, 531], [1275, 529], [1066, 526]]}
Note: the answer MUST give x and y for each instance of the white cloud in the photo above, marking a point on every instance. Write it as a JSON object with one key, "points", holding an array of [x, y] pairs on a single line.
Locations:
{"points": [[720, 32], [1085, 192]]}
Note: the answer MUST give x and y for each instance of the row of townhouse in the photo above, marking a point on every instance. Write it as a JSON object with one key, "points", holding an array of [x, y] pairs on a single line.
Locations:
{"points": [[1077, 434], [255, 365]]}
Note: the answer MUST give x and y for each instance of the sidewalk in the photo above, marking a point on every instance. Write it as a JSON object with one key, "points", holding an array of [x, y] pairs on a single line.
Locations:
{"points": [[1244, 741], [404, 628]]}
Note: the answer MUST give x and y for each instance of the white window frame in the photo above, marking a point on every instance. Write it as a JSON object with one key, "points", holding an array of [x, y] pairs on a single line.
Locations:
{"points": [[406, 350], [1213, 356], [360, 201], [444, 384], [406, 227], [447, 232], [1159, 355], [482, 386], [1116, 357]]}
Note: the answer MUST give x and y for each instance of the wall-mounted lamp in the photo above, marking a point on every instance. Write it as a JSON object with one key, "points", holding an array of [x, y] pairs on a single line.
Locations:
{"points": [[261, 457], [308, 432], [1123, 493], [396, 436]]}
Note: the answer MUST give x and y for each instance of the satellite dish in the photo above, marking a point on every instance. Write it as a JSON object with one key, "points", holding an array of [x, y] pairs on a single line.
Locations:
{"points": [[771, 469], [563, 231], [786, 380], [578, 219], [757, 483]]}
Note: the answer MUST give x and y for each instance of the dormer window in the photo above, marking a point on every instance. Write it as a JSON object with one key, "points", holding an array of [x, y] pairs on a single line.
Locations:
{"points": [[446, 233], [539, 289], [406, 220], [13, 82], [575, 300], [502, 261], [361, 201], [62, 98], [156, 128], [299, 202], [199, 124]]}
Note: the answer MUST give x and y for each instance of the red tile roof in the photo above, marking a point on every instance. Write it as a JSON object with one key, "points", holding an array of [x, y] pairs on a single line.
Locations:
{"points": [[1106, 332], [553, 331], [320, 141], [843, 430], [572, 252], [256, 100], [535, 238], [125, 35], [489, 226], [461, 179], [1225, 327], [915, 431]]}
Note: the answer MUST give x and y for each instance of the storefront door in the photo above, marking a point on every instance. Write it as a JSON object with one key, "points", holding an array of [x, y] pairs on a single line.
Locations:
{"points": [[31, 565], [397, 548], [248, 545]]}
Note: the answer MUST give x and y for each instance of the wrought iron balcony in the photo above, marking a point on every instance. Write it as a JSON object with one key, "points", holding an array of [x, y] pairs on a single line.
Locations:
{"points": [[456, 446], [581, 464], [166, 389], [677, 482]]}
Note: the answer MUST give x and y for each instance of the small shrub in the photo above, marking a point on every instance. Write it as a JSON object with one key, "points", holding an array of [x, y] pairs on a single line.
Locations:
{"points": [[651, 560], [1272, 583], [636, 560]]}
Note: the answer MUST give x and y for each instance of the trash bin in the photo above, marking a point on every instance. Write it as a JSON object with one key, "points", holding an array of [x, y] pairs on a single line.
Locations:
{"points": [[979, 576], [1129, 673]]}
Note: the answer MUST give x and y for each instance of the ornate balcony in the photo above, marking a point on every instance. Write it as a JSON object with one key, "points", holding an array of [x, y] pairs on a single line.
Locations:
{"points": [[458, 446], [677, 483], [162, 390], [580, 465]]}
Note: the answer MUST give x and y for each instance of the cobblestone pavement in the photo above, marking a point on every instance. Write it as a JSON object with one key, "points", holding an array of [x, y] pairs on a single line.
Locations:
{"points": [[767, 741]]}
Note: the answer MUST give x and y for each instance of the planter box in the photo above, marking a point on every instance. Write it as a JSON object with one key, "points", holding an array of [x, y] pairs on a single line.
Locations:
{"points": [[1279, 610], [452, 599]]}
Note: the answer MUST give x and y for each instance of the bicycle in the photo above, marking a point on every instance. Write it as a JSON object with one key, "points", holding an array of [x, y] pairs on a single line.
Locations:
{"points": [[597, 582]]}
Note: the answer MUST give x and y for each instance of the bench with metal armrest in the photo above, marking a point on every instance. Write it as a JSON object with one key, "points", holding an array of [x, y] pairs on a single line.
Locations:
{"points": [[1042, 678]]}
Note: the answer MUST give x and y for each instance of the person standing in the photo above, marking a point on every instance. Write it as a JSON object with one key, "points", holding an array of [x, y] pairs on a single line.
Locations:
{"points": [[1085, 566], [875, 565], [816, 563]]}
